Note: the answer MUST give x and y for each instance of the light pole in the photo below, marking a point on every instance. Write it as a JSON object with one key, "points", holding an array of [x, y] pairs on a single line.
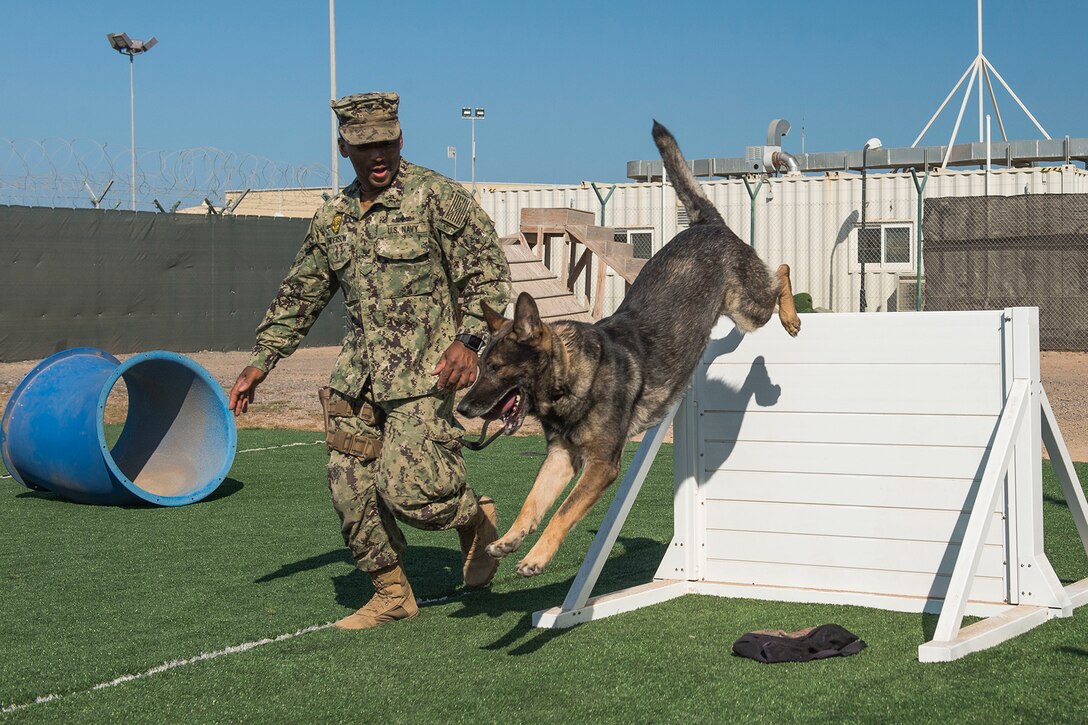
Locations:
{"points": [[127, 46], [873, 143], [332, 96], [472, 114]]}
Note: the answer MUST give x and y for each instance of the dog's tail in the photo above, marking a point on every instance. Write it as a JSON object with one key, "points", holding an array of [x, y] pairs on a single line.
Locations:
{"points": [[700, 210]]}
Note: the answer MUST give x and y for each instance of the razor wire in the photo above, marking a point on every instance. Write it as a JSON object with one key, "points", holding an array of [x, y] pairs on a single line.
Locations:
{"points": [[83, 173]]}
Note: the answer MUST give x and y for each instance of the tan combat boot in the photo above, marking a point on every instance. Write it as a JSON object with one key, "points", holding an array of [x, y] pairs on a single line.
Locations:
{"points": [[392, 600], [479, 568]]}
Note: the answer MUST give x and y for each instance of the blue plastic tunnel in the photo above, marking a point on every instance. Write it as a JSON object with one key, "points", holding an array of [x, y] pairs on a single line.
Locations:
{"points": [[176, 446]]}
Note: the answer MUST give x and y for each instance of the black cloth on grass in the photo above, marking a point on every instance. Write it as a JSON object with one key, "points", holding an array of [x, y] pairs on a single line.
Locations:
{"points": [[827, 640]]}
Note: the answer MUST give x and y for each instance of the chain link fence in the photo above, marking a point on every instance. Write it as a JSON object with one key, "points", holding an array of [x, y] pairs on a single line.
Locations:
{"points": [[995, 252]]}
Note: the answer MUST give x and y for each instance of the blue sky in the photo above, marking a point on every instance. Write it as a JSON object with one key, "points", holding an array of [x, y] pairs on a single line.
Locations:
{"points": [[570, 88]]}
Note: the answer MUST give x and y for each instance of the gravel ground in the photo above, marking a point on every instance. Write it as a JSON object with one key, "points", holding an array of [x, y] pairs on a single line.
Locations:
{"points": [[288, 398]]}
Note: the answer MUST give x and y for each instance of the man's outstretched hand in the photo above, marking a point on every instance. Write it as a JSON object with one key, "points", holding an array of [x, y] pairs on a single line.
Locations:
{"points": [[241, 395], [457, 368]]}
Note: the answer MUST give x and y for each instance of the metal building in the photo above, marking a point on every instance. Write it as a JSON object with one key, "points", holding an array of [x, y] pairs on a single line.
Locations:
{"points": [[808, 222]]}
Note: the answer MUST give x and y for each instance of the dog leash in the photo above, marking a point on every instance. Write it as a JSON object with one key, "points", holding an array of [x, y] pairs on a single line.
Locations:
{"points": [[481, 444]]}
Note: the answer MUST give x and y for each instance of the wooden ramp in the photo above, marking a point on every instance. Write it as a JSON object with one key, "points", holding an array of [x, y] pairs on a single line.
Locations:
{"points": [[561, 258], [529, 274]]}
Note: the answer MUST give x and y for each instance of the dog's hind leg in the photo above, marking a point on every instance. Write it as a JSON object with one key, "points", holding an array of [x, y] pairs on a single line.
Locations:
{"points": [[596, 477], [787, 310], [553, 477]]}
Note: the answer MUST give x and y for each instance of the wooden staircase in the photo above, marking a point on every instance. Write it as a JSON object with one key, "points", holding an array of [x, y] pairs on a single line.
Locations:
{"points": [[561, 258]]}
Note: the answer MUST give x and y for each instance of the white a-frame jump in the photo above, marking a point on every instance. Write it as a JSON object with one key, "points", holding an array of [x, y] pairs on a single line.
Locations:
{"points": [[889, 461]]}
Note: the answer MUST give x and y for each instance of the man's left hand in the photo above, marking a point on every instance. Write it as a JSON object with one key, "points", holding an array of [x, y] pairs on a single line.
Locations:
{"points": [[457, 368]]}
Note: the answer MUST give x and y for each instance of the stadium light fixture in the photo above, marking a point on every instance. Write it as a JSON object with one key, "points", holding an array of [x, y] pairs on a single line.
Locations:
{"points": [[473, 115], [130, 47]]}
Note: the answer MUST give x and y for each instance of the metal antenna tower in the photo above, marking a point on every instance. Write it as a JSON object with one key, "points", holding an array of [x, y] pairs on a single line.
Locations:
{"points": [[979, 69]]}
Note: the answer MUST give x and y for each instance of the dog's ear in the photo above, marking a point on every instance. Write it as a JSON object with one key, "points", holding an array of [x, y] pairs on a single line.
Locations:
{"points": [[527, 324], [495, 321]]}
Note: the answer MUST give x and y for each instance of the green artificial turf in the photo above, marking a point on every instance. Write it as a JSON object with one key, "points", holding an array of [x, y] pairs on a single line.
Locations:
{"points": [[89, 594]]}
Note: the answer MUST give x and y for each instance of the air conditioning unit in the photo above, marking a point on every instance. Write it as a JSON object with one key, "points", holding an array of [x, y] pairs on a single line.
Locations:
{"points": [[906, 289], [759, 159]]}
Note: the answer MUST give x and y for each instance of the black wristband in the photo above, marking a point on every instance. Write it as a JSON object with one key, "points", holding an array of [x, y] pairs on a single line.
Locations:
{"points": [[471, 342]]}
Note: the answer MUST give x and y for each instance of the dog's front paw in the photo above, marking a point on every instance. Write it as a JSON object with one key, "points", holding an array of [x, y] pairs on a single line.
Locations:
{"points": [[506, 545], [529, 567], [535, 561]]}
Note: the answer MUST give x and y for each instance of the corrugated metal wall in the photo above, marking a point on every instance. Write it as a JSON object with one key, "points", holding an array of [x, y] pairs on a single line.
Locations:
{"points": [[807, 222]]}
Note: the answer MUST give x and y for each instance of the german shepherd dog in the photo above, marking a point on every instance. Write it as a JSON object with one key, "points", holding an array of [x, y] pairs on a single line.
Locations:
{"points": [[595, 386]]}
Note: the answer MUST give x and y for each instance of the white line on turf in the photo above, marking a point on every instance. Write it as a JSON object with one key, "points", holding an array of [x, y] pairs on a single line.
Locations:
{"points": [[202, 657], [285, 445], [251, 450], [235, 649], [244, 647]]}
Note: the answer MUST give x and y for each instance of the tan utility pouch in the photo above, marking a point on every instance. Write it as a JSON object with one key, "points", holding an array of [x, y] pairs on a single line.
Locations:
{"points": [[360, 446]]}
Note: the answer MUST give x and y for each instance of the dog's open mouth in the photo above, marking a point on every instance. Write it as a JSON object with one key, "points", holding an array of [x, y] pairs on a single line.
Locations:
{"points": [[510, 409]]}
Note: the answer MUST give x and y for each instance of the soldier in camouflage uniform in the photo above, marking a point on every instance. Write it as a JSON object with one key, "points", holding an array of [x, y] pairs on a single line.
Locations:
{"points": [[415, 256]]}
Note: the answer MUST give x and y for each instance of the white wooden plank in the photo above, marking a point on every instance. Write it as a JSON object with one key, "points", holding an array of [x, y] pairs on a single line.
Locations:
{"points": [[1064, 470], [982, 635], [981, 526], [926, 337], [873, 581], [680, 558], [768, 424], [1078, 593], [935, 389], [891, 602], [947, 494], [846, 552], [607, 605], [688, 514], [865, 460], [856, 521]]}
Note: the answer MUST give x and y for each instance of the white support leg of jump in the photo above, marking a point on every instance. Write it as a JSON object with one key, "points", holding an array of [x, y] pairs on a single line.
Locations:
{"points": [[1062, 463], [949, 642], [578, 606], [1036, 582]]}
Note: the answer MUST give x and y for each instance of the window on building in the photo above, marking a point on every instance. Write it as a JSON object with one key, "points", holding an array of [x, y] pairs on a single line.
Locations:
{"points": [[886, 246], [641, 241]]}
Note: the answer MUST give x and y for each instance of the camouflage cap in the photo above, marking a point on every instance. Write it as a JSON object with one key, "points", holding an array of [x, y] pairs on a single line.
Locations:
{"points": [[368, 117]]}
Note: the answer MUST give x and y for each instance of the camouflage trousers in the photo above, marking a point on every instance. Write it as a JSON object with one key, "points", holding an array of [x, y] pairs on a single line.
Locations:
{"points": [[417, 476]]}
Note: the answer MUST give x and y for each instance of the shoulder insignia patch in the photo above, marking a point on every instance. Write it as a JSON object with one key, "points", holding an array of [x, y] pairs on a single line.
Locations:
{"points": [[335, 226], [456, 212]]}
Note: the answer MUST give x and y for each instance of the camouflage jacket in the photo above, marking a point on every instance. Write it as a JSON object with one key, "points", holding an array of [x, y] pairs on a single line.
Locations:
{"points": [[414, 266]]}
